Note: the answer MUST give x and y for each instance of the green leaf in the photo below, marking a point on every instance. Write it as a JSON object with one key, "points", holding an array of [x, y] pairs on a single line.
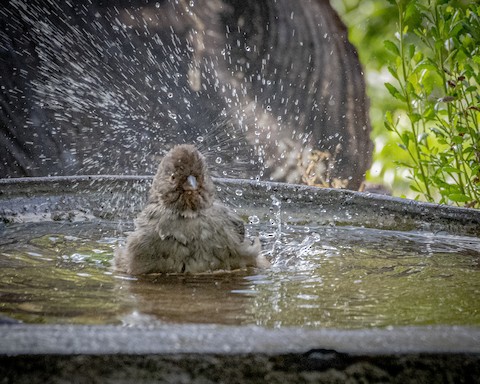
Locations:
{"points": [[405, 137], [412, 14], [450, 169], [414, 188], [429, 113], [420, 177], [389, 117], [415, 117], [418, 56], [394, 92], [431, 80], [426, 64], [411, 89], [411, 51], [454, 31], [438, 132], [392, 47], [459, 198], [403, 164], [438, 181], [457, 139], [469, 150], [393, 71]]}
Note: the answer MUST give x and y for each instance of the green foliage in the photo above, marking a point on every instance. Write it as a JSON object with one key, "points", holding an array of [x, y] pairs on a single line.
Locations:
{"points": [[369, 23], [437, 72], [427, 96]]}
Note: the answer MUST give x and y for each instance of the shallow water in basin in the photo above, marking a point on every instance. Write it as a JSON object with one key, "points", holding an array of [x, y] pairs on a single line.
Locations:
{"points": [[340, 277]]}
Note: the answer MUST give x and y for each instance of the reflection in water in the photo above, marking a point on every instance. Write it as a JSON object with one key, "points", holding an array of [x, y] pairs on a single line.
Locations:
{"points": [[321, 277], [191, 299]]}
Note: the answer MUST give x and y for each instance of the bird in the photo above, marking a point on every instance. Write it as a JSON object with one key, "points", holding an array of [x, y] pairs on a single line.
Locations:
{"points": [[184, 228]]}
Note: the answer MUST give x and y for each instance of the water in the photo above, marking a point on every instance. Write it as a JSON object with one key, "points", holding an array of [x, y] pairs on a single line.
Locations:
{"points": [[341, 277]]}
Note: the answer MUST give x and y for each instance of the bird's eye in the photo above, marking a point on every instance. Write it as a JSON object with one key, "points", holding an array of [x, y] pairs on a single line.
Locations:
{"points": [[172, 177]]}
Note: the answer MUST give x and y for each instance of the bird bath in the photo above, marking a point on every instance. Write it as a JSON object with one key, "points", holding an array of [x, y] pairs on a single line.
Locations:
{"points": [[352, 272]]}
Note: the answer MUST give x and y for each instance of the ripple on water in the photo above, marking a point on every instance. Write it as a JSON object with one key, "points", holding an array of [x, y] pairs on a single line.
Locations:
{"points": [[340, 277]]}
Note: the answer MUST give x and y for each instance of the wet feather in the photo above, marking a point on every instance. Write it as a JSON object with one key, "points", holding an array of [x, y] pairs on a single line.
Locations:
{"points": [[183, 228]]}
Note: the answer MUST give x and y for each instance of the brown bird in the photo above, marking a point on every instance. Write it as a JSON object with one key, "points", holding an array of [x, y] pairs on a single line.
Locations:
{"points": [[184, 228]]}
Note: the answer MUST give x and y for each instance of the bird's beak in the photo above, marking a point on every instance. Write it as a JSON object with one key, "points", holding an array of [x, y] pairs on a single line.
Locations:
{"points": [[192, 182]]}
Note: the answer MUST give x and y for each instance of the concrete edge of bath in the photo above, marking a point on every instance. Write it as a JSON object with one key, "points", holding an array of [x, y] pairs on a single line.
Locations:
{"points": [[121, 197], [33, 353], [23, 339]]}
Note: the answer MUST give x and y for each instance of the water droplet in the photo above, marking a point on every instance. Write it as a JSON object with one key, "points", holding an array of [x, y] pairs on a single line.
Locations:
{"points": [[253, 219], [218, 160], [157, 5], [275, 201], [170, 95], [34, 254], [200, 139], [239, 192]]}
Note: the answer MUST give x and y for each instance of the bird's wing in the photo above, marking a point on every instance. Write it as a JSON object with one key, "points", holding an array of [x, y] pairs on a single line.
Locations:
{"points": [[233, 219]]}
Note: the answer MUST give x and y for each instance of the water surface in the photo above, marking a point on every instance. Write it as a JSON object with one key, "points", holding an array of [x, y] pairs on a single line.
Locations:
{"points": [[342, 277]]}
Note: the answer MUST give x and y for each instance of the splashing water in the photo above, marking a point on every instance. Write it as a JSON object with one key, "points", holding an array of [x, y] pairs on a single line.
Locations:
{"points": [[108, 77], [276, 221], [109, 88]]}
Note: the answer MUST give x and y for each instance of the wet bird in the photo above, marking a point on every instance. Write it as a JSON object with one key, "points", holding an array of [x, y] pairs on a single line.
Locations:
{"points": [[183, 228]]}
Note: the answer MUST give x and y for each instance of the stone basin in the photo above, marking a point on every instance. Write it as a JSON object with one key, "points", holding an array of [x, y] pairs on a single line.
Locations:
{"points": [[239, 353]]}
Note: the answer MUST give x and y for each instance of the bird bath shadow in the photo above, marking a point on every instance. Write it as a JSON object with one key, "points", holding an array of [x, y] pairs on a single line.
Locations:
{"points": [[340, 259]]}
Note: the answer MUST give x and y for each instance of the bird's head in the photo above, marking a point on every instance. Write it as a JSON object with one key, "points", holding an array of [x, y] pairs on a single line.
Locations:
{"points": [[182, 182]]}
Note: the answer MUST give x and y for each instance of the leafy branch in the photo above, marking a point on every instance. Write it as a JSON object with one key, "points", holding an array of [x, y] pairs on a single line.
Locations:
{"points": [[436, 65]]}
